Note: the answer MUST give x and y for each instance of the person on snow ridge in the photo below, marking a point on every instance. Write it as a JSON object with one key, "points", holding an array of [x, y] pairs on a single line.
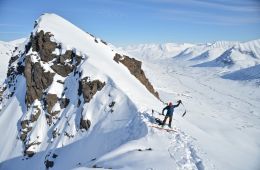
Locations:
{"points": [[170, 110]]}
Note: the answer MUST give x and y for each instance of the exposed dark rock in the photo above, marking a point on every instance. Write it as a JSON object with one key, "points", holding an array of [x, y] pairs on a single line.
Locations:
{"points": [[55, 133], [25, 129], [93, 159], [27, 146], [24, 123], [10, 71], [64, 102], [35, 24], [28, 45], [79, 103], [29, 129], [20, 68], [89, 88], [104, 42], [51, 100], [44, 46], [23, 136], [59, 81], [84, 124], [68, 135], [95, 166], [54, 155], [13, 59], [118, 57], [63, 70], [135, 68], [35, 116], [36, 80], [78, 59], [48, 164], [69, 55], [65, 63], [112, 104], [2, 89]]}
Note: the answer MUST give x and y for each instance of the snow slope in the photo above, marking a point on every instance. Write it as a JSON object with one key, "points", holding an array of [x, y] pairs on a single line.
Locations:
{"points": [[220, 130], [6, 51], [223, 111], [119, 136]]}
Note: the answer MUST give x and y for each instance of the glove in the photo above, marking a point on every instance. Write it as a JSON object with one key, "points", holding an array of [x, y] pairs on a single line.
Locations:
{"points": [[179, 101]]}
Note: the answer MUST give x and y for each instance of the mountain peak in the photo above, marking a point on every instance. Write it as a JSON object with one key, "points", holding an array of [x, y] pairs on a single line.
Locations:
{"points": [[73, 82]]}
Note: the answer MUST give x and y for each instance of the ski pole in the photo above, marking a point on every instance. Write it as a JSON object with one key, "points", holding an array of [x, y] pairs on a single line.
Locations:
{"points": [[184, 111]]}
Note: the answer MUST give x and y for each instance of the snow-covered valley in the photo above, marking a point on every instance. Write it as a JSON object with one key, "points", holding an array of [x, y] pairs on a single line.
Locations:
{"points": [[73, 101], [223, 113]]}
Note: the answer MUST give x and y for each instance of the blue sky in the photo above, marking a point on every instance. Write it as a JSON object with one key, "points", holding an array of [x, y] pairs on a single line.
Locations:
{"points": [[124, 22]]}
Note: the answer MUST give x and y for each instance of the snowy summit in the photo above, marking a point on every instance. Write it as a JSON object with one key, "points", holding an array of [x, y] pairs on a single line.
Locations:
{"points": [[69, 94]]}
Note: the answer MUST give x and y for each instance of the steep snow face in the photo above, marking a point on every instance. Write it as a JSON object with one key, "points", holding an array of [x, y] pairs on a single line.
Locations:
{"points": [[6, 51], [66, 95]]}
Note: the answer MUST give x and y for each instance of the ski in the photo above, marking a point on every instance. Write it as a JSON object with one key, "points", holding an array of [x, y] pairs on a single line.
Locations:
{"points": [[161, 128]]}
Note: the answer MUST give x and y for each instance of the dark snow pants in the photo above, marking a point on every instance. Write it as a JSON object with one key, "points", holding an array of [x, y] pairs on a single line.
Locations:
{"points": [[170, 120]]}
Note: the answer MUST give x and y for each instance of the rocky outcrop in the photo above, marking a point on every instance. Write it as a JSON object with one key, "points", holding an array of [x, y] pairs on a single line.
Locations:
{"points": [[64, 102], [62, 70], [66, 63], [37, 80], [42, 44], [135, 68], [89, 88], [48, 164], [36, 114], [27, 150], [85, 124], [50, 101], [24, 129]]}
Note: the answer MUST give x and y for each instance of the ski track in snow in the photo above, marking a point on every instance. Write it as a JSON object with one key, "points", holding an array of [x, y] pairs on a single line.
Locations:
{"points": [[183, 153]]}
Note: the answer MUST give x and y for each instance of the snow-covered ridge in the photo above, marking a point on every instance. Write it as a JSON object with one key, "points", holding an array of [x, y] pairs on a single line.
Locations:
{"points": [[64, 88], [85, 110]]}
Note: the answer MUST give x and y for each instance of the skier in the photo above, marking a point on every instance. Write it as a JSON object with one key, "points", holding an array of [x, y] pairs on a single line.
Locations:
{"points": [[170, 110]]}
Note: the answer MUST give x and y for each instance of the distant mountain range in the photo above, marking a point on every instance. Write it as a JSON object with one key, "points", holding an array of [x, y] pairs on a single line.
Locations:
{"points": [[243, 57]]}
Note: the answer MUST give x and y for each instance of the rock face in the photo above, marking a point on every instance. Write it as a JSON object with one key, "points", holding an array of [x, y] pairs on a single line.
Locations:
{"points": [[89, 88], [66, 63], [135, 68], [85, 124], [42, 44], [51, 100], [37, 80]]}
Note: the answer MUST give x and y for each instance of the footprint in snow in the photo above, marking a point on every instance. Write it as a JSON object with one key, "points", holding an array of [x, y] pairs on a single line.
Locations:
{"points": [[184, 154]]}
